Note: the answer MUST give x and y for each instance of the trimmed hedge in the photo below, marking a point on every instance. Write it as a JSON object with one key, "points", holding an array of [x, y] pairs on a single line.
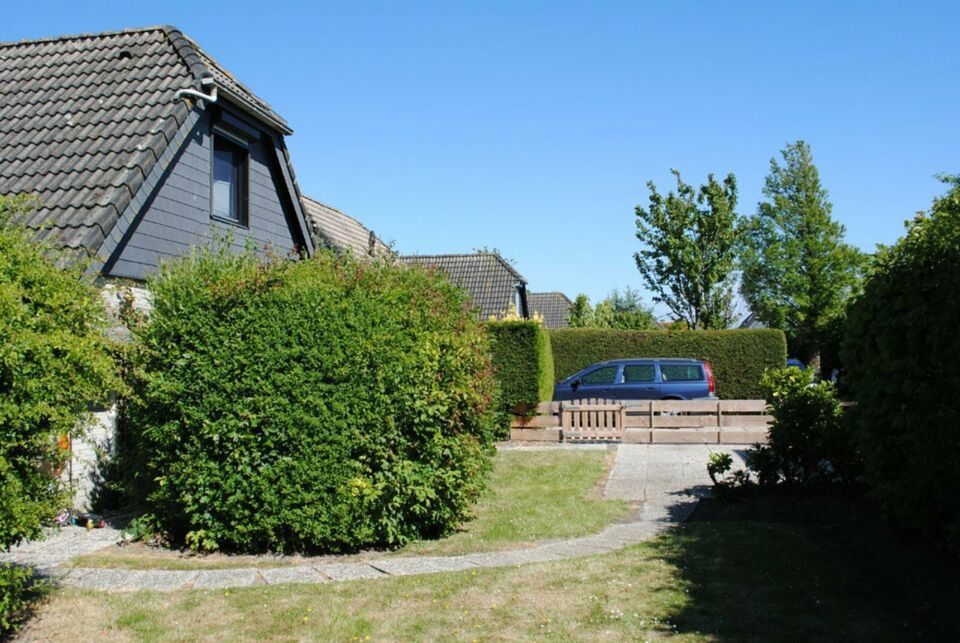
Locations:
{"points": [[902, 342], [318, 405], [738, 357], [522, 363]]}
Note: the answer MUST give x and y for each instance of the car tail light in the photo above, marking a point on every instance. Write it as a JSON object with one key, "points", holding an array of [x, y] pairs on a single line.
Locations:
{"points": [[711, 383]]}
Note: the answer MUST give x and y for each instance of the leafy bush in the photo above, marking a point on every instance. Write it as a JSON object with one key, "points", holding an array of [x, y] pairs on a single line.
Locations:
{"points": [[900, 351], [319, 405], [522, 363], [18, 590], [809, 441], [54, 364], [738, 357]]}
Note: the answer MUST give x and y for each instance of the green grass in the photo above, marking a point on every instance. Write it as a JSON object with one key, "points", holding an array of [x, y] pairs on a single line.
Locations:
{"points": [[702, 581], [532, 496]]}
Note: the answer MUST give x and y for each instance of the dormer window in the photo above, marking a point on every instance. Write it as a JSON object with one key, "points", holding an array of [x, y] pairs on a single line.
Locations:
{"points": [[230, 176]]}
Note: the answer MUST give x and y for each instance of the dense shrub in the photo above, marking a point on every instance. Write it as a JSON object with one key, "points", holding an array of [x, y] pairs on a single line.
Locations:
{"points": [[324, 404], [522, 363], [54, 364], [18, 589], [901, 350], [809, 441], [738, 357]]}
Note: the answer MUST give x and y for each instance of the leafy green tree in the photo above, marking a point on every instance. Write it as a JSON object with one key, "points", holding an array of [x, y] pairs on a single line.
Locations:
{"points": [[797, 271], [581, 313], [689, 252], [629, 311], [624, 310]]}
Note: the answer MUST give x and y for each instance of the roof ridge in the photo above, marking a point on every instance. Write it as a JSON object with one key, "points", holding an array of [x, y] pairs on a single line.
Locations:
{"points": [[86, 36], [187, 50]]}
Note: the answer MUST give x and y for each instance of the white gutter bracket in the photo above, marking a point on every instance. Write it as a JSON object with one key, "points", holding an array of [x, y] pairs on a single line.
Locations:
{"points": [[193, 93]]}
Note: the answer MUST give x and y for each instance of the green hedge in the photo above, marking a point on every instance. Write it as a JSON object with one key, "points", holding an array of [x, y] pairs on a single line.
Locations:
{"points": [[522, 363], [55, 362], [318, 405], [738, 357], [900, 351]]}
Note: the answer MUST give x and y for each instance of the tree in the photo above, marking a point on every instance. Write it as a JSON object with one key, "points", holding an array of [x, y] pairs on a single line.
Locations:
{"points": [[689, 252], [581, 313], [629, 312], [625, 311], [797, 271]]}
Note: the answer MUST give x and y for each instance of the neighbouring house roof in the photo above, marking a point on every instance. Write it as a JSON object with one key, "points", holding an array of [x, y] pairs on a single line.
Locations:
{"points": [[491, 281], [342, 232], [554, 306], [751, 321], [85, 121]]}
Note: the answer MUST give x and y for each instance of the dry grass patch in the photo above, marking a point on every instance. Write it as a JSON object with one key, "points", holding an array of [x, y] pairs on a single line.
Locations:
{"points": [[532, 496], [731, 581]]}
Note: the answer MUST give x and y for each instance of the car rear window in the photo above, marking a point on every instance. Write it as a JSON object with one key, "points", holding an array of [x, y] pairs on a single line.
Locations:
{"points": [[638, 373], [603, 375], [681, 372]]}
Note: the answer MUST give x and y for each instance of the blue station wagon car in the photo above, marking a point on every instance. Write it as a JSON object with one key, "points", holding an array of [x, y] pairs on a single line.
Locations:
{"points": [[640, 379]]}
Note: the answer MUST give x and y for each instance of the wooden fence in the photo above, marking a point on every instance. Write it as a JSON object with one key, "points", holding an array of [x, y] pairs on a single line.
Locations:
{"points": [[640, 421]]}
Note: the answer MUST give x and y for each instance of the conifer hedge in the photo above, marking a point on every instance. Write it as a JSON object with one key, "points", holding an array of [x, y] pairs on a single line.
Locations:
{"points": [[522, 363], [738, 357]]}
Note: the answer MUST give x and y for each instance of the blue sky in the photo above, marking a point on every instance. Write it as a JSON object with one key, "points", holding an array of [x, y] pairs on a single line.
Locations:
{"points": [[533, 127]]}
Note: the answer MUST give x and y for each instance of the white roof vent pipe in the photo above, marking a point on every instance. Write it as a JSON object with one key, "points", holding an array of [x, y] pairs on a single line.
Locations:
{"points": [[193, 93]]}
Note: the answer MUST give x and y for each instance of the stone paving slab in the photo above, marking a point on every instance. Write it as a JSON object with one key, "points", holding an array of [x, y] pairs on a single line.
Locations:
{"points": [[119, 580], [283, 575], [349, 571], [223, 578], [667, 480]]}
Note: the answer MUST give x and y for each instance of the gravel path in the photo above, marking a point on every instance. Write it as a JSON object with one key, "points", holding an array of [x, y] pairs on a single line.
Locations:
{"points": [[665, 479]]}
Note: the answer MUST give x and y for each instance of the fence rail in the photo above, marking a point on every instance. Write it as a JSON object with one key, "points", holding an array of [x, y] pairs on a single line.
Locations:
{"points": [[706, 421]]}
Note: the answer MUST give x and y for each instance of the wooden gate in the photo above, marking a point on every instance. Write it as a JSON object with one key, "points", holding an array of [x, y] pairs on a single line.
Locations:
{"points": [[592, 420]]}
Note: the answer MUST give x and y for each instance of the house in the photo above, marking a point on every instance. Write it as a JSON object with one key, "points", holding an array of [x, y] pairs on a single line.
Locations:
{"points": [[341, 232], [138, 146], [493, 284], [554, 307]]}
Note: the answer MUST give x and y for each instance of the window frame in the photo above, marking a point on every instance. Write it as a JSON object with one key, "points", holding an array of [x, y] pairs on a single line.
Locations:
{"points": [[242, 146]]}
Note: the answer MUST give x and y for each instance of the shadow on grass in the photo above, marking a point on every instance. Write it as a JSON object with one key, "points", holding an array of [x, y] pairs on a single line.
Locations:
{"points": [[802, 568]]}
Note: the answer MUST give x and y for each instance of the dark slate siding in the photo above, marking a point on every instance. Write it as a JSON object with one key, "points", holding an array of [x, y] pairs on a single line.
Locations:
{"points": [[177, 215]]}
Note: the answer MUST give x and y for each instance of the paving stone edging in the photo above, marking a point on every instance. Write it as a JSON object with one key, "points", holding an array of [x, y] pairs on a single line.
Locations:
{"points": [[633, 478]]}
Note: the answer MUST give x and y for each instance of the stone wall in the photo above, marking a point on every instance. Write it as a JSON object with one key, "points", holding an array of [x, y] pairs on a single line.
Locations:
{"points": [[96, 443]]}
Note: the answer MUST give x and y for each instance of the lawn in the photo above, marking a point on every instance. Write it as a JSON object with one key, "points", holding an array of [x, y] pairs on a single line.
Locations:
{"points": [[701, 581], [532, 496]]}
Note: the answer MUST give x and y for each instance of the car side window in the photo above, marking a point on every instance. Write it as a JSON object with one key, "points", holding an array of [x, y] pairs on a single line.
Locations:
{"points": [[638, 373], [603, 375], [681, 372]]}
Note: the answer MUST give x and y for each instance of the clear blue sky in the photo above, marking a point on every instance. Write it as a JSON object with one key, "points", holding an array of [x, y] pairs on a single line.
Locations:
{"points": [[533, 127]]}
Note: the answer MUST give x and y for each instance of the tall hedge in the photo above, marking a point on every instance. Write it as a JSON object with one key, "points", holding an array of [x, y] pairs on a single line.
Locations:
{"points": [[738, 357], [900, 351], [522, 363], [319, 405], [54, 364]]}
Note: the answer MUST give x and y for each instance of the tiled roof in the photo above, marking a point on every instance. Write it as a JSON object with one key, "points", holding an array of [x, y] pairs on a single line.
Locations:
{"points": [[84, 119], [554, 306], [341, 231], [490, 280]]}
